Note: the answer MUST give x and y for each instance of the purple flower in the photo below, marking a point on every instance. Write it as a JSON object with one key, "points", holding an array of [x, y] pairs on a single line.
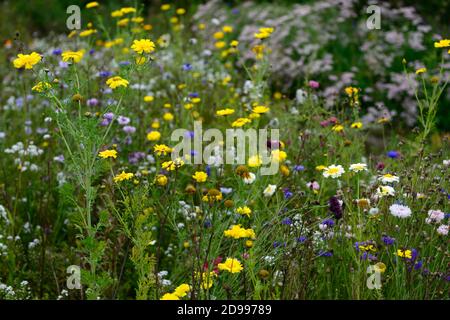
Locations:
{"points": [[105, 122], [104, 74], [108, 116], [286, 221], [134, 157], [301, 239], [123, 120], [92, 102], [63, 65], [273, 144], [298, 168], [287, 193], [335, 207], [388, 240], [313, 84], [208, 170], [325, 253], [129, 129], [193, 95], [418, 265], [57, 52], [91, 52], [124, 63]]}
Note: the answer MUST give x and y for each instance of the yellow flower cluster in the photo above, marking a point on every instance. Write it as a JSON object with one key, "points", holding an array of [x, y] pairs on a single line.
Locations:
{"points": [[231, 265], [179, 292], [237, 232], [26, 61]]}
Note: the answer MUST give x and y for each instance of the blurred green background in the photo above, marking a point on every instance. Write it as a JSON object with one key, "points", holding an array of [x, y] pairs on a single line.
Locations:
{"points": [[45, 16]]}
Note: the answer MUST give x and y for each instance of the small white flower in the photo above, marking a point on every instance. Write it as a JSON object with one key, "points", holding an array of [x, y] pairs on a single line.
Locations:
{"points": [[270, 190], [389, 178], [400, 211], [385, 191], [333, 171], [446, 163], [250, 178], [357, 167], [443, 230]]}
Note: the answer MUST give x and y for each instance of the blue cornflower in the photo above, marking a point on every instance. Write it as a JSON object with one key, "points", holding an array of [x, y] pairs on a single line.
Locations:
{"points": [[187, 67], [393, 154]]}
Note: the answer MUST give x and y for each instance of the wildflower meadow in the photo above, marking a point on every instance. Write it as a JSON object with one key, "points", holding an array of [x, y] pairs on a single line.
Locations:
{"points": [[214, 150]]}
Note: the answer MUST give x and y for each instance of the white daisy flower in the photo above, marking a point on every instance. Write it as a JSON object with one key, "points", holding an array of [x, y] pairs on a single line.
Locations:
{"points": [[270, 190], [357, 167], [389, 178], [333, 171]]}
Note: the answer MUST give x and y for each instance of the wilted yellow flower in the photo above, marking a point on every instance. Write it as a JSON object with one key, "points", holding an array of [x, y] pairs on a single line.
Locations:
{"points": [[26, 61], [41, 86], [212, 196]]}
